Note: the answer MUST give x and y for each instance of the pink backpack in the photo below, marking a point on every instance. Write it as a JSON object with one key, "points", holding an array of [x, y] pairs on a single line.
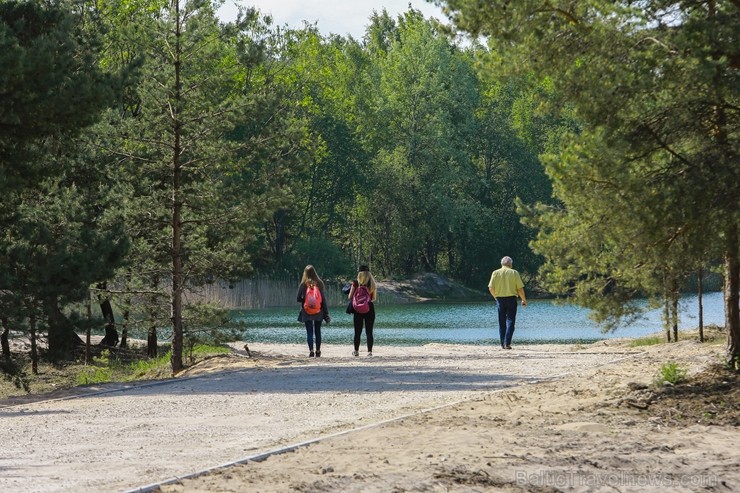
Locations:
{"points": [[361, 300]]}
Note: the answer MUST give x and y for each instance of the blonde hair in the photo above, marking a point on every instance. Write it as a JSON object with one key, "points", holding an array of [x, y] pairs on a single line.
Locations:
{"points": [[310, 276], [365, 278]]}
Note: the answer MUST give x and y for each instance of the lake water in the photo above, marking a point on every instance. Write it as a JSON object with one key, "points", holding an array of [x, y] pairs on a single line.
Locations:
{"points": [[470, 323]]}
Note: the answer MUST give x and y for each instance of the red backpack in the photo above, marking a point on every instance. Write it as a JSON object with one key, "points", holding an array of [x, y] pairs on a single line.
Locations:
{"points": [[361, 300], [312, 302]]}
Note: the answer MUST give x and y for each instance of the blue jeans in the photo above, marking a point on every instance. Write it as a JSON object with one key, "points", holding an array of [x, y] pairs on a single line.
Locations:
{"points": [[506, 318], [313, 327]]}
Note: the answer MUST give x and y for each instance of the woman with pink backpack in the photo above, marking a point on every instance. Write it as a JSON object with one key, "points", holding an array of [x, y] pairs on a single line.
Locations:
{"points": [[363, 294]]}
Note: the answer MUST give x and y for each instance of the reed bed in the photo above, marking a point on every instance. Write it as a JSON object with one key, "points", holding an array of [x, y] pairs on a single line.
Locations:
{"points": [[258, 292]]}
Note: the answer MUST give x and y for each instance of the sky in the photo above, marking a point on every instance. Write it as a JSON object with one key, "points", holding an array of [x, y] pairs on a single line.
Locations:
{"points": [[341, 17]]}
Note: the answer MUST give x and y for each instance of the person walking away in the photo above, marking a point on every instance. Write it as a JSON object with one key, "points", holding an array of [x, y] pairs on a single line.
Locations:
{"points": [[505, 285], [314, 308], [363, 295]]}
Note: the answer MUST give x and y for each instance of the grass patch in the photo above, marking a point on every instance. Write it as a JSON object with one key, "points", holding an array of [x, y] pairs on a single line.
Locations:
{"points": [[159, 367], [646, 341], [143, 367], [200, 351], [121, 365], [100, 371], [713, 334]]}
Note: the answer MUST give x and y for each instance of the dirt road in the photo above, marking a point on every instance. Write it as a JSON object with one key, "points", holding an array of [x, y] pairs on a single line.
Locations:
{"points": [[229, 409]]}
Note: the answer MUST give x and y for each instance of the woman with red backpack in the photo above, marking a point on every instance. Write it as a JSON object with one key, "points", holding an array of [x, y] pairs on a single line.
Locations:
{"points": [[313, 308], [363, 294]]}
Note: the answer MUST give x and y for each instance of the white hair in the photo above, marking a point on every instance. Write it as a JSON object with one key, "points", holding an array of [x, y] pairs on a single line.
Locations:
{"points": [[507, 261]]}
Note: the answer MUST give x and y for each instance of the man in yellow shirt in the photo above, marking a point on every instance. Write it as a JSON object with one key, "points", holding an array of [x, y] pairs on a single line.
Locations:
{"points": [[505, 285]]}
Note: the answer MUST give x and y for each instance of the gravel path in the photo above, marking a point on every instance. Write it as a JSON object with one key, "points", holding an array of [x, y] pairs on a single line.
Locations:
{"points": [[126, 438]]}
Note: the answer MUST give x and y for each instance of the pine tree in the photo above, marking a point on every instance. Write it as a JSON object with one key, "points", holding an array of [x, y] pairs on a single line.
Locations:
{"points": [[650, 187], [53, 245]]}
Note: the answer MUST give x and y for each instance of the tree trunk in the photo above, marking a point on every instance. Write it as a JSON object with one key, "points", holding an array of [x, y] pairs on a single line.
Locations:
{"points": [[732, 299], [34, 350], [177, 269], [674, 309], [700, 291], [125, 317], [88, 355], [111, 334], [667, 318], [88, 305], [62, 336], [732, 248], [151, 342], [4, 339], [124, 326]]}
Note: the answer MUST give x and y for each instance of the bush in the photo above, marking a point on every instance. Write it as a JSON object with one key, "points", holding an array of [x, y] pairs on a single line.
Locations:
{"points": [[99, 371], [671, 373]]}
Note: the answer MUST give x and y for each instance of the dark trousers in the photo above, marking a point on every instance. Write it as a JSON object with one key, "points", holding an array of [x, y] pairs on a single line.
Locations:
{"points": [[506, 318], [369, 320], [313, 327]]}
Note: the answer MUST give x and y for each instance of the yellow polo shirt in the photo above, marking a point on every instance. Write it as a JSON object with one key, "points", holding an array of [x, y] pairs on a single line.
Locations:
{"points": [[505, 281]]}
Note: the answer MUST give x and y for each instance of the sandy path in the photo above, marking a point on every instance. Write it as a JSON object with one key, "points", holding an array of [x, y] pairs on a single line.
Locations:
{"points": [[144, 434], [574, 434]]}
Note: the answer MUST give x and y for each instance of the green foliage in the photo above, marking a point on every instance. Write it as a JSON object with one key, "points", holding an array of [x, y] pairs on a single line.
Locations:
{"points": [[671, 373], [143, 367], [198, 352], [47, 67], [99, 371], [94, 375], [154, 367], [417, 134], [211, 324], [108, 368], [331, 262], [58, 233], [647, 183], [230, 148], [13, 372], [203, 150]]}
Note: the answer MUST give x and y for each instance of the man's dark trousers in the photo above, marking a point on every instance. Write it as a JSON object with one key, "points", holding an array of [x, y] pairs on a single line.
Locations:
{"points": [[506, 318]]}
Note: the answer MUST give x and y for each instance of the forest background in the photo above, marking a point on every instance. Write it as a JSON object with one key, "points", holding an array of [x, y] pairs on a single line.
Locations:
{"points": [[147, 149]]}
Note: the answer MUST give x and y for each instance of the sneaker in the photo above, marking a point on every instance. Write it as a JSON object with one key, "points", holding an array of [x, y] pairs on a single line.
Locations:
{"points": [[507, 347], [369, 354], [311, 354], [318, 354], [355, 353]]}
